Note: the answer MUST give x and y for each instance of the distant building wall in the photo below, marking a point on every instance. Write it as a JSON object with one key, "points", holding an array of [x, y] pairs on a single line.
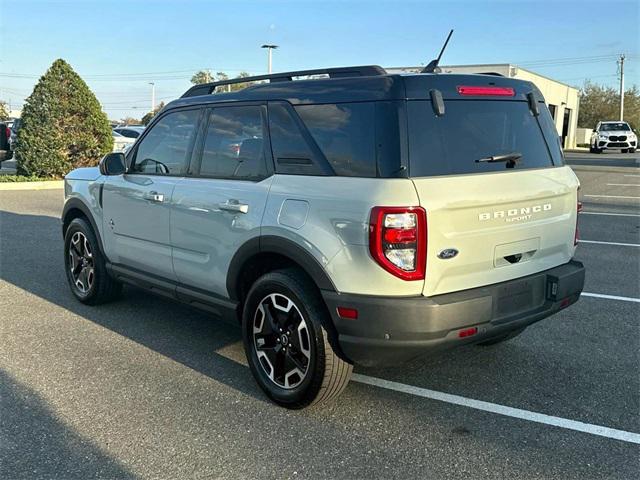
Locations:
{"points": [[583, 136], [563, 100]]}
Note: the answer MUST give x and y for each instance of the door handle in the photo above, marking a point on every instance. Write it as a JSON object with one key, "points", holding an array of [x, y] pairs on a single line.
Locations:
{"points": [[154, 197], [234, 206]]}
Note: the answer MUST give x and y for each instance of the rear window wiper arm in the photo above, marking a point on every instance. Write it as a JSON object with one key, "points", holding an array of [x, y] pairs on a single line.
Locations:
{"points": [[507, 157]]}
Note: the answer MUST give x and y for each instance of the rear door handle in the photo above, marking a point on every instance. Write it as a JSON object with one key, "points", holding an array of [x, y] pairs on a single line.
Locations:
{"points": [[234, 206], [154, 197]]}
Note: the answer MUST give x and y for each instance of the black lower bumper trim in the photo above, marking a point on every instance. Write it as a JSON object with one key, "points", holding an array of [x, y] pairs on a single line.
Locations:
{"points": [[390, 330]]}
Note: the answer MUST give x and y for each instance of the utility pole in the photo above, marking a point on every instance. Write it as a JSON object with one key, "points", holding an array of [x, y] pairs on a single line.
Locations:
{"points": [[269, 48], [622, 87], [153, 96]]}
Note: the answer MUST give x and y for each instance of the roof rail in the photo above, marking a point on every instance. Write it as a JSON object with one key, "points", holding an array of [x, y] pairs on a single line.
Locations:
{"points": [[340, 72]]}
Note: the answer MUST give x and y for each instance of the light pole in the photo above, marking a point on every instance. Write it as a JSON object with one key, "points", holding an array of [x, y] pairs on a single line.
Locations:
{"points": [[621, 63], [269, 48], [153, 96]]}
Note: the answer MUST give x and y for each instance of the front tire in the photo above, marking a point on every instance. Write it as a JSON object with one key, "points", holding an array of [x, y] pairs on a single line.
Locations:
{"points": [[286, 342], [85, 266]]}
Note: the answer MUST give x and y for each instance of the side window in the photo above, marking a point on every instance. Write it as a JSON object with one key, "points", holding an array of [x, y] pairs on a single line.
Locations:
{"points": [[165, 149], [234, 144], [291, 152], [128, 133], [346, 135]]}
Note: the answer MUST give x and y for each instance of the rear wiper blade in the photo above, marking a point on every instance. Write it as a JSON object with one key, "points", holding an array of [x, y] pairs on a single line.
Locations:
{"points": [[507, 157]]}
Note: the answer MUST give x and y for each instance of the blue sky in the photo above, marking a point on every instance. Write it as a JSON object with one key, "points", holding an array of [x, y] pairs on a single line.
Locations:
{"points": [[120, 46]]}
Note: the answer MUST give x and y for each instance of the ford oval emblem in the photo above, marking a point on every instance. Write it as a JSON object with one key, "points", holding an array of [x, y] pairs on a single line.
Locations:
{"points": [[448, 253]]}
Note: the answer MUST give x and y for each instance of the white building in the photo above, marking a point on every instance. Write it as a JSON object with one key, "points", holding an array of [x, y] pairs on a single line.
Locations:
{"points": [[563, 100]]}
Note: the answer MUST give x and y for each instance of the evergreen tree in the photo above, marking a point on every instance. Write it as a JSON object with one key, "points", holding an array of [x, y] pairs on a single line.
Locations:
{"points": [[63, 125]]}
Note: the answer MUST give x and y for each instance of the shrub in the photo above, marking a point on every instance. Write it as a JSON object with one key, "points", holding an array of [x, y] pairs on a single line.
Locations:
{"points": [[63, 126], [21, 179]]}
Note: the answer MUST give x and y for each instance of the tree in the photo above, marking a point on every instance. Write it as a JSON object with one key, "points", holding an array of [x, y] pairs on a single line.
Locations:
{"points": [[130, 121], [598, 103], [63, 126], [4, 111], [202, 76], [205, 76], [149, 116]]}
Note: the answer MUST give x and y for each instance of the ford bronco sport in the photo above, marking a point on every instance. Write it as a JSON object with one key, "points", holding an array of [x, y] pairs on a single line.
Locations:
{"points": [[364, 218]]}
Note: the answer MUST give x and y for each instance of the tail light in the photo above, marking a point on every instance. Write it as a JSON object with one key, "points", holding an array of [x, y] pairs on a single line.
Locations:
{"points": [[398, 240], [8, 132], [576, 237]]}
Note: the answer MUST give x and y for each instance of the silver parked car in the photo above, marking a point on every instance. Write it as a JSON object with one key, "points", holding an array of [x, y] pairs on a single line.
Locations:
{"points": [[339, 220]]}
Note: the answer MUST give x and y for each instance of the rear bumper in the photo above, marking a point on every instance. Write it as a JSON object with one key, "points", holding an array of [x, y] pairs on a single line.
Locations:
{"points": [[391, 330]]}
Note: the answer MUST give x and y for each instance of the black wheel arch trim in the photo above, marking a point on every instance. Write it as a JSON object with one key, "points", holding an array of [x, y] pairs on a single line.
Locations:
{"points": [[77, 204], [280, 246]]}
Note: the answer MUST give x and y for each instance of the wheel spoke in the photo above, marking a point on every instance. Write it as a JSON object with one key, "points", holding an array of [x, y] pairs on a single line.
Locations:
{"points": [[270, 326], [279, 366], [75, 260], [294, 362], [90, 276]]}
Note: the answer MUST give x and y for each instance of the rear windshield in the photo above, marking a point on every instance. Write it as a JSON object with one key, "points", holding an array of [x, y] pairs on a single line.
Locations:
{"points": [[473, 131]]}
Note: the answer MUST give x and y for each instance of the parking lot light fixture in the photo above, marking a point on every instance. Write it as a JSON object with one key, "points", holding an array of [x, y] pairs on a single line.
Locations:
{"points": [[269, 48]]}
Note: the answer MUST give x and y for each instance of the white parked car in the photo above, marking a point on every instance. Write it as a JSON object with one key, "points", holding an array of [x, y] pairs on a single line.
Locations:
{"points": [[121, 143], [613, 136], [132, 131]]}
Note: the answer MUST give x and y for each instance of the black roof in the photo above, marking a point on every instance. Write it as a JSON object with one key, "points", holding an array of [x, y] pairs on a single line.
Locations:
{"points": [[350, 84]]}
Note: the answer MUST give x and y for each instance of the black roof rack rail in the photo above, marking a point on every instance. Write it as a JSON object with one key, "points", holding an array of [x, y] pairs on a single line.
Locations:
{"points": [[339, 72]]}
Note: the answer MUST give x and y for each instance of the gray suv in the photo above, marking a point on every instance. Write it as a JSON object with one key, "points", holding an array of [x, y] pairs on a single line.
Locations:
{"points": [[359, 218]]}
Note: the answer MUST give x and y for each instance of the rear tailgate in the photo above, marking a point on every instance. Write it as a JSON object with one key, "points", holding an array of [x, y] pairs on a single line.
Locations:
{"points": [[503, 225], [505, 218]]}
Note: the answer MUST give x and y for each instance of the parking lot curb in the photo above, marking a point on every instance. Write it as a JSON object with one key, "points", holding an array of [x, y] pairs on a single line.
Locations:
{"points": [[43, 185]]}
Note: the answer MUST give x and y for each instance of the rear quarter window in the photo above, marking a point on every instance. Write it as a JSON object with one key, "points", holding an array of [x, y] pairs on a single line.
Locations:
{"points": [[345, 133], [474, 129]]}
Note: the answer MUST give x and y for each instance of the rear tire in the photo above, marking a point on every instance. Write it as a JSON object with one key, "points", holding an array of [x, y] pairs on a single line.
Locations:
{"points": [[502, 338], [286, 343], [85, 265], [632, 150]]}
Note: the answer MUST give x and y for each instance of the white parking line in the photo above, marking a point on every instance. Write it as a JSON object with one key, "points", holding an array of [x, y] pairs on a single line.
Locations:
{"points": [[610, 297], [632, 175], [611, 243], [611, 196], [599, 430], [611, 214], [623, 184]]}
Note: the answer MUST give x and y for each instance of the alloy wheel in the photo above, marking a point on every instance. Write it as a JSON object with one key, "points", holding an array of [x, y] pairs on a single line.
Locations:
{"points": [[282, 340], [81, 262]]}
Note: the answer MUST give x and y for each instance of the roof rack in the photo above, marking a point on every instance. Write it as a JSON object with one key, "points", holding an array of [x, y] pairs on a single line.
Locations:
{"points": [[340, 72]]}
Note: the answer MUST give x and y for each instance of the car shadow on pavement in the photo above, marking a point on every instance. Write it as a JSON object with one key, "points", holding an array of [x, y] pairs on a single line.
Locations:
{"points": [[35, 444], [170, 328]]}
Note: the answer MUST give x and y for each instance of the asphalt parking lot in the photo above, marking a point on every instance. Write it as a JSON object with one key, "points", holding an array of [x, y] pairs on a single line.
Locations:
{"points": [[147, 388]]}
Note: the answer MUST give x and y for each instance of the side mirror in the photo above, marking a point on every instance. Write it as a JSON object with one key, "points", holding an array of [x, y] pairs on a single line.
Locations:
{"points": [[113, 164]]}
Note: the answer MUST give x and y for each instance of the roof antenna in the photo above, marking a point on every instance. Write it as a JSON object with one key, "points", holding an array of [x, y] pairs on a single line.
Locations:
{"points": [[433, 64]]}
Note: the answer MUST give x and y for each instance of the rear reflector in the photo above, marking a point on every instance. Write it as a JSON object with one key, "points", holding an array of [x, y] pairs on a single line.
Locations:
{"points": [[468, 332], [479, 91], [347, 313]]}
